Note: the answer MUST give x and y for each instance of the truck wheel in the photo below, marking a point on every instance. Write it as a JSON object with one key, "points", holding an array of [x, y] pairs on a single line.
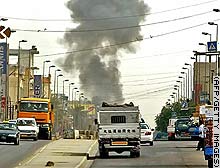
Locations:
{"points": [[132, 154], [210, 163], [103, 154], [138, 153], [151, 143]]}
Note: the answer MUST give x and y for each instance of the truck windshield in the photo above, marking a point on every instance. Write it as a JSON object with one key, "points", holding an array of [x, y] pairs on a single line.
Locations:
{"points": [[34, 106]]}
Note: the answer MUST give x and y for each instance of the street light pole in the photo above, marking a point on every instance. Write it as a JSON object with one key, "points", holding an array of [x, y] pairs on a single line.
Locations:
{"points": [[43, 75], [188, 81], [212, 23], [55, 76], [63, 108], [176, 97], [66, 80], [75, 94], [172, 96], [52, 66], [191, 79], [176, 87], [57, 84], [72, 94], [49, 80], [195, 76], [181, 91], [69, 90], [210, 35], [205, 66], [185, 84], [19, 59], [181, 77], [210, 61], [32, 51], [57, 111]]}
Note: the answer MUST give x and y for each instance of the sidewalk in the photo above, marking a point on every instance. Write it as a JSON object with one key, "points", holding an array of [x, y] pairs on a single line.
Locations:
{"points": [[64, 153]]}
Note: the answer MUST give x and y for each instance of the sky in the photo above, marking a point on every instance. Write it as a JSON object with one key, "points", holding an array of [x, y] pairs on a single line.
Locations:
{"points": [[146, 70]]}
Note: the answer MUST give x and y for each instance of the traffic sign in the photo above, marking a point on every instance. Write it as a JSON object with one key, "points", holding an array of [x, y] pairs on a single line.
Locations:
{"points": [[212, 46], [4, 32]]}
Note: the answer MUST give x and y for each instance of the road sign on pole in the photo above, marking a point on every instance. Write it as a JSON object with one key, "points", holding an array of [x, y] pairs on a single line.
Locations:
{"points": [[5, 32], [212, 46]]}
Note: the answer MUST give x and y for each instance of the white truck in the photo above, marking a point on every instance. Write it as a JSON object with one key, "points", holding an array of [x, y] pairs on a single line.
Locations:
{"points": [[119, 129]]}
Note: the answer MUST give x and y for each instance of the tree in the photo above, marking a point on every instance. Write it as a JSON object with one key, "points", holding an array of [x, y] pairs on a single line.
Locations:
{"points": [[169, 111]]}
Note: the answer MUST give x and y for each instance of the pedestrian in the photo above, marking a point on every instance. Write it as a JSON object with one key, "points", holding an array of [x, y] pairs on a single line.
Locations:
{"points": [[201, 143]]}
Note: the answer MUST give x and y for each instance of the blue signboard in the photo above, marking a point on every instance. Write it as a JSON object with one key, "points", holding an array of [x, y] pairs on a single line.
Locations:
{"points": [[3, 57], [37, 86], [212, 46]]}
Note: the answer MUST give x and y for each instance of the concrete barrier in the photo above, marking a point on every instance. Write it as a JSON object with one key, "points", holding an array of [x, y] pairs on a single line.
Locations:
{"points": [[87, 134], [76, 134]]}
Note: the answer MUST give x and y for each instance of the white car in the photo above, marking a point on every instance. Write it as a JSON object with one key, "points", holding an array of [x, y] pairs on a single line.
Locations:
{"points": [[28, 128], [146, 134]]}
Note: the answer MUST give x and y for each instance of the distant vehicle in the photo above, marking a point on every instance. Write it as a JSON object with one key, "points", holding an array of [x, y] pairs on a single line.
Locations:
{"points": [[12, 121], [182, 128], [28, 128], [146, 134], [9, 133], [171, 128], [161, 136]]}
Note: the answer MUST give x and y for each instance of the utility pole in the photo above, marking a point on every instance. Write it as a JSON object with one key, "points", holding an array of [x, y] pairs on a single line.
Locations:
{"points": [[19, 58]]}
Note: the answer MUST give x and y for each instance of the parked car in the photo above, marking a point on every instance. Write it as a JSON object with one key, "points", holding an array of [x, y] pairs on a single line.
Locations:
{"points": [[28, 128], [160, 136], [9, 133], [146, 134]]}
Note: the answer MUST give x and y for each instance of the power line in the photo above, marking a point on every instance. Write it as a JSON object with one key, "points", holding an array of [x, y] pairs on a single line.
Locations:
{"points": [[157, 55], [145, 94], [109, 18], [123, 43], [115, 28], [150, 74]]}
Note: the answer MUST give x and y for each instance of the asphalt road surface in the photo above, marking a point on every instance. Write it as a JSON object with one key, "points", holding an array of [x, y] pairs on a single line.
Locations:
{"points": [[164, 154], [11, 155]]}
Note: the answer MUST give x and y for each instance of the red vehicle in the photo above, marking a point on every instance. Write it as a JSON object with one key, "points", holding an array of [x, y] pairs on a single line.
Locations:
{"points": [[171, 129]]}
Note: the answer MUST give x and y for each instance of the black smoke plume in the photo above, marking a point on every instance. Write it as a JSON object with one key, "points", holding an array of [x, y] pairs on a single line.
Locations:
{"points": [[98, 69]]}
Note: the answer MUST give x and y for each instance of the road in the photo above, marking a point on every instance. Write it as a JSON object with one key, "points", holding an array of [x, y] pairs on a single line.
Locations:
{"points": [[164, 154], [12, 155]]}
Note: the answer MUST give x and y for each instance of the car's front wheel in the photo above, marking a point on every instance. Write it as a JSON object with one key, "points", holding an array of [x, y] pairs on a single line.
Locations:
{"points": [[35, 138], [16, 142]]}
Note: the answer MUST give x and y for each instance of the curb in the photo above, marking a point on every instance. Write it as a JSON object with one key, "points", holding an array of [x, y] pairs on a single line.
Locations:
{"points": [[83, 161]]}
